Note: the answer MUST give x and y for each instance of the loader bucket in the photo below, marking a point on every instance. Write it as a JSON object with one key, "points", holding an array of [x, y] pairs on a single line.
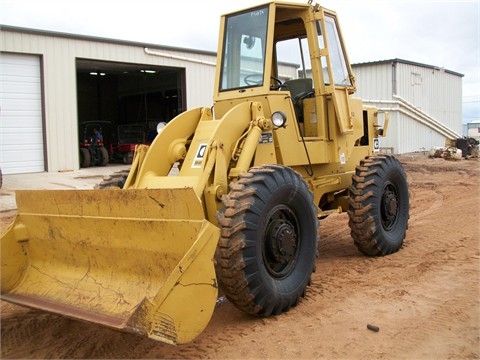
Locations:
{"points": [[136, 260]]}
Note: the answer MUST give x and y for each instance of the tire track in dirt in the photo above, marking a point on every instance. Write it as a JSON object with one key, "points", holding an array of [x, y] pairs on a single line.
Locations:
{"points": [[416, 263], [30, 325], [430, 315], [432, 195], [429, 263]]}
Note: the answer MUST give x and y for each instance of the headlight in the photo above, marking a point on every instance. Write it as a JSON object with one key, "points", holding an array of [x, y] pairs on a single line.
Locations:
{"points": [[161, 126], [279, 119]]}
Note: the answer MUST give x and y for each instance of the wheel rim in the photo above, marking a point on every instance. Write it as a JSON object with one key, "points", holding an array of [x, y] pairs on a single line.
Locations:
{"points": [[389, 206], [281, 241]]}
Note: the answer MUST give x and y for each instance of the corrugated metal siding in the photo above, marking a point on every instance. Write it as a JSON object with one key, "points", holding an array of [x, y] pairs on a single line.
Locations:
{"points": [[287, 71], [374, 83], [434, 91], [60, 108], [407, 131], [419, 138], [391, 140]]}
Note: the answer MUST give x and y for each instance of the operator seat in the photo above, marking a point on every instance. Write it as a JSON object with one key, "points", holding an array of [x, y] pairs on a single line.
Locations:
{"points": [[299, 90]]}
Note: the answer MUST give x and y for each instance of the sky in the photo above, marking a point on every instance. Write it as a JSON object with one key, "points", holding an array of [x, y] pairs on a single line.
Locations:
{"points": [[441, 33]]}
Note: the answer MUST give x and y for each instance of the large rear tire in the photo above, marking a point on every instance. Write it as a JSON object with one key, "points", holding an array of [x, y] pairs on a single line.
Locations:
{"points": [[267, 249], [379, 205], [85, 158]]}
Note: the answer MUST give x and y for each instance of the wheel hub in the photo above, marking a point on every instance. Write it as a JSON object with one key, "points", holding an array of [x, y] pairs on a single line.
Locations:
{"points": [[389, 207], [281, 241]]}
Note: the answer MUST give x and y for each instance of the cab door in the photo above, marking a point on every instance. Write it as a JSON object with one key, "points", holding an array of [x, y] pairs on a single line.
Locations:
{"points": [[338, 75]]}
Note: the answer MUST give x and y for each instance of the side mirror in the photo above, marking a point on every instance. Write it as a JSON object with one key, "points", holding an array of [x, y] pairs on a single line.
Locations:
{"points": [[381, 130]]}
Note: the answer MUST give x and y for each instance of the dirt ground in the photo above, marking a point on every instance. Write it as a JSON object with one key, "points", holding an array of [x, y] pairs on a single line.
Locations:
{"points": [[425, 299]]}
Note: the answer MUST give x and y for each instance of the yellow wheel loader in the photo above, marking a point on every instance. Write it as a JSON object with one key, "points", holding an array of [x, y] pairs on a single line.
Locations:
{"points": [[284, 144]]}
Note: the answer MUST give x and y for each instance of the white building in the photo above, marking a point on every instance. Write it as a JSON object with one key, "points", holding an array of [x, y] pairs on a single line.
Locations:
{"points": [[473, 129], [424, 102], [51, 82]]}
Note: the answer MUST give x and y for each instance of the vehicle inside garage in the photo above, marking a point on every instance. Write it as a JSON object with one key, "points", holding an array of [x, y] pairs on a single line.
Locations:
{"points": [[125, 101]]}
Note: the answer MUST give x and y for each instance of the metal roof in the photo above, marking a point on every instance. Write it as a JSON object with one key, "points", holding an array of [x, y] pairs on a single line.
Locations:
{"points": [[101, 39], [408, 62]]}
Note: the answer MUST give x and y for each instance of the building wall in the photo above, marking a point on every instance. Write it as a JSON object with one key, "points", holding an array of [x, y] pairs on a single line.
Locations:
{"points": [[374, 82], [473, 129], [434, 91], [58, 55], [431, 90]]}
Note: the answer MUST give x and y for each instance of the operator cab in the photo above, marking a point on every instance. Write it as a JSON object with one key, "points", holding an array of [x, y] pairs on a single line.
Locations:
{"points": [[287, 47], [246, 55]]}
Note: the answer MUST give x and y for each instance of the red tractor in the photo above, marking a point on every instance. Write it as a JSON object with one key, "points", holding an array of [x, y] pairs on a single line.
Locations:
{"points": [[128, 137], [92, 149]]}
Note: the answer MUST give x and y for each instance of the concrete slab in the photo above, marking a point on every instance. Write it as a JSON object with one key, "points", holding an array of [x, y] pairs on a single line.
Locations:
{"points": [[78, 179]]}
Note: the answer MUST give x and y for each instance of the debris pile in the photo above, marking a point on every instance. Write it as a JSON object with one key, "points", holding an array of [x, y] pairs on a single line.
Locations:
{"points": [[456, 149]]}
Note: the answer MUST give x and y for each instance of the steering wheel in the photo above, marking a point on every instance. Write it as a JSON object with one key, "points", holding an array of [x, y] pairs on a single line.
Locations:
{"points": [[256, 79], [253, 79]]}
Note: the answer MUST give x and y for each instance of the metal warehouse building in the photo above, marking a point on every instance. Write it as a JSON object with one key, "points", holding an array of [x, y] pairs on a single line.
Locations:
{"points": [[424, 102], [52, 82]]}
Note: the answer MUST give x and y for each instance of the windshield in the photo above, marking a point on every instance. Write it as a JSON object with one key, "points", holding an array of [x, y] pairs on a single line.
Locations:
{"points": [[243, 58]]}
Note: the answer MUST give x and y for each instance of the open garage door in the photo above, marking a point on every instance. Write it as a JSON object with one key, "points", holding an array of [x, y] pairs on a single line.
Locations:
{"points": [[127, 94], [21, 129]]}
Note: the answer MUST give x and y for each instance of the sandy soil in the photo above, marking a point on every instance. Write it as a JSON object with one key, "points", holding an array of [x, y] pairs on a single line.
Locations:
{"points": [[425, 299]]}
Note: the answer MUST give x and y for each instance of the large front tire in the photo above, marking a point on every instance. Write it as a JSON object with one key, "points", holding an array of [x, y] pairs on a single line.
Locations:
{"points": [[379, 205], [267, 249]]}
